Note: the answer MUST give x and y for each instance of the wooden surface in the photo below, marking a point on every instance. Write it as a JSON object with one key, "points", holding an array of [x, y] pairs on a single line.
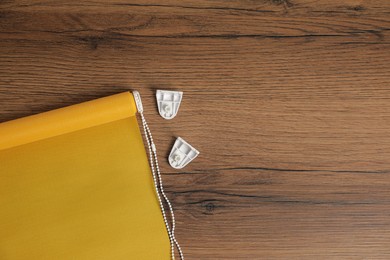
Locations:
{"points": [[287, 100]]}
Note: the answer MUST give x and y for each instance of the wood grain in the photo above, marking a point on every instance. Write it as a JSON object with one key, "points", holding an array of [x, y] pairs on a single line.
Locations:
{"points": [[287, 100]]}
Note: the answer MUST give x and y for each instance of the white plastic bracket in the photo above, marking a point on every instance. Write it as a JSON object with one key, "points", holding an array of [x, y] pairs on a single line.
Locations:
{"points": [[138, 101], [168, 102], [182, 153]]}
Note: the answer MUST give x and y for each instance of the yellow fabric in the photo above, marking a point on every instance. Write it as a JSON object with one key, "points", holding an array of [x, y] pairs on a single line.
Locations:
{"points": [[75, 183]]}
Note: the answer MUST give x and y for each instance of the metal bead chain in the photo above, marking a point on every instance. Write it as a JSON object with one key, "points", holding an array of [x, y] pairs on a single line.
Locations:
{"points": [[159, 188], [156, 184], [163, 193]]}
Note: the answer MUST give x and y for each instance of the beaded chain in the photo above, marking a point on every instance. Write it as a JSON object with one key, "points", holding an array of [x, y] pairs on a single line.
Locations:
{"points": [[159, 188]]}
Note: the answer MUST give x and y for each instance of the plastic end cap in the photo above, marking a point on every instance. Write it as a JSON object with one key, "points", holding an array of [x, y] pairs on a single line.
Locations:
{"points": [[182, 154], [168, 103], [138, 101]]}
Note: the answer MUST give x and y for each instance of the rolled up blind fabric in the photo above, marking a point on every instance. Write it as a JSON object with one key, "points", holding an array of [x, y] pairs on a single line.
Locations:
{"points": [[66, 120], [75, 183]]}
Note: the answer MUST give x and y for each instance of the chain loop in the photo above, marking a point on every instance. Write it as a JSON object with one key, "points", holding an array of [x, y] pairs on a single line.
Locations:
{"points": [[159, 189]]}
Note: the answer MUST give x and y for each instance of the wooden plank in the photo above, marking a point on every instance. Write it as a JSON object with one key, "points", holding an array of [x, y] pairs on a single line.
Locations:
{"points": [[288, 102]]}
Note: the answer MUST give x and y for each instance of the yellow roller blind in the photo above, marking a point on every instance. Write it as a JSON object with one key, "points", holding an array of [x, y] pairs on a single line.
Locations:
{"points": [[75, 183]]}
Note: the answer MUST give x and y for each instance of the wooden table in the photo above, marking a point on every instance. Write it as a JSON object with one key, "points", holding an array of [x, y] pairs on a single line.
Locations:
{"points": [[288, 102]]}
